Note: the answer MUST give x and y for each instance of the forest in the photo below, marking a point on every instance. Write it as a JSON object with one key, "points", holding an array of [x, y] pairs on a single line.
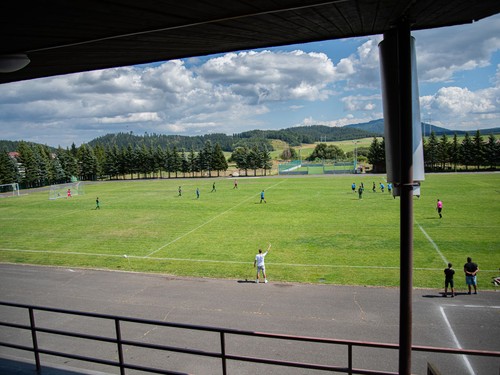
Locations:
{"points": [[126, 155]]}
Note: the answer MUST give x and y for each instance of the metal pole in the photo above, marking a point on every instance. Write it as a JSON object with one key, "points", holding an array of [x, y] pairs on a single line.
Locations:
{"points": [[406, 203], [35, 340], [119, 346], [223, 352]]}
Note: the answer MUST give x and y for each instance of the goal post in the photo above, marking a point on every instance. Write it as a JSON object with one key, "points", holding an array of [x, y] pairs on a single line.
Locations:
{"points": [[66, 190], [9, 190]]}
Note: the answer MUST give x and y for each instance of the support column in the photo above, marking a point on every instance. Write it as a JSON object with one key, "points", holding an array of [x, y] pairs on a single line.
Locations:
{"points": [[406, 202]]}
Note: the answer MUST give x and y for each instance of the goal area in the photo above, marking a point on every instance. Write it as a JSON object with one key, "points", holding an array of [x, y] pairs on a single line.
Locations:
{"points": [[66, 190], [9, 190]]}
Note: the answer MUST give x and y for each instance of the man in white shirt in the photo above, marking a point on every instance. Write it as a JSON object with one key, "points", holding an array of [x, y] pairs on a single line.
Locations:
{"points": [[259, 263]]}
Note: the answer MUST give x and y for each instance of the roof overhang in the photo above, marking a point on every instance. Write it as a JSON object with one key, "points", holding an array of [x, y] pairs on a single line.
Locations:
{"points": [[61, 37]]}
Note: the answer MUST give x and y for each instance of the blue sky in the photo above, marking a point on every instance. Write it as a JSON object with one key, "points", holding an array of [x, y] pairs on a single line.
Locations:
{"points": [[331, 83]]}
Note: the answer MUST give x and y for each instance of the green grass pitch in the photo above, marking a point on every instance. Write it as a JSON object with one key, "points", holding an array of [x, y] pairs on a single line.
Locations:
{"points": [[319, 230]]}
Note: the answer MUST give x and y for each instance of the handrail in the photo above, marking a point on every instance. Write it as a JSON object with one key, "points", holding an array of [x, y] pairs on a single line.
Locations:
{"points": [[222, 354]]}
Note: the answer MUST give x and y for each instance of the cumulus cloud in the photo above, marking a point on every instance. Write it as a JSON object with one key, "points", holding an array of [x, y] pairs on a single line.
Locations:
{"points": [[444, 52], [272, 76], [360, 102], [170, 97], [347, 120], [361, 70], [246, 90], [462, 109]]}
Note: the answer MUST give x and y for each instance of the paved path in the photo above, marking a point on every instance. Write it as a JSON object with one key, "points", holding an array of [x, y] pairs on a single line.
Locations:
{"points": [[341, 312]]}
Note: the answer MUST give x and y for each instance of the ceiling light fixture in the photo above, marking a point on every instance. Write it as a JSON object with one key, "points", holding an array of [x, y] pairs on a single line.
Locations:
{"points": [[13, 63]]}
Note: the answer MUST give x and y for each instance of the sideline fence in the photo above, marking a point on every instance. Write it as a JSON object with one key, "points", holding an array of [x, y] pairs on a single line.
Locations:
{"points": [[223, 355]]}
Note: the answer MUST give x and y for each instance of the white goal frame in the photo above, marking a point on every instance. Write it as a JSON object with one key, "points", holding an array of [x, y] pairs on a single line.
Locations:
{"points": [[61, 190], [13, 191]]}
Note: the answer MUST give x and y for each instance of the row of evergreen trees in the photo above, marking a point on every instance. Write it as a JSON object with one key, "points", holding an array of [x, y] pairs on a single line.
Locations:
{"points": [[441, 154], [36, 165]]}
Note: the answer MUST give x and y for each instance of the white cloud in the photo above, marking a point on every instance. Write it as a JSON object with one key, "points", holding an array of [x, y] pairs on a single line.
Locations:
{"points": [[361, 69], [347, 120], [443, 52], [272, 76], [462, 109], [360, 102], [265, 89]]}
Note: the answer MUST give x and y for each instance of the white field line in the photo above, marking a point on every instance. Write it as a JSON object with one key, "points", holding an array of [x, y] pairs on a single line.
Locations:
{"points": [[473, 306], [218, 261], [457, 343], [207, 222], [433, 244]]}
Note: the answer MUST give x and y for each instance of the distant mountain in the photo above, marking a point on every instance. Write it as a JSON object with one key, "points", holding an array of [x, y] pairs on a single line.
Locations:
{"points": [[377, 127]]}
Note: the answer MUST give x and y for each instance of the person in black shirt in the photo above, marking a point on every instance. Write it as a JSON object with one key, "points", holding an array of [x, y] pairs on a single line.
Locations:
{"points": [[448, 280], [471, 269]]}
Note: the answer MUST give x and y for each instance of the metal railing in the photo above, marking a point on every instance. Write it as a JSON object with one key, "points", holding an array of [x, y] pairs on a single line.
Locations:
{"points": [[222, 355]]}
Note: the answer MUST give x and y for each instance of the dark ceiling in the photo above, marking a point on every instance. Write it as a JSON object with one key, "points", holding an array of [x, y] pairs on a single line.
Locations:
{"points": [[66, 36]]}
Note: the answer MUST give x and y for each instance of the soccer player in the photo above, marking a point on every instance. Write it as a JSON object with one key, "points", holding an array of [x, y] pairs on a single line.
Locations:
{"points": [[235, 184], [262, 197], [439, 208], [471, 269], [353, 187], [97, 207], [197, 193], [180, 191], [213, 187], [259, 263], [68, 193]]}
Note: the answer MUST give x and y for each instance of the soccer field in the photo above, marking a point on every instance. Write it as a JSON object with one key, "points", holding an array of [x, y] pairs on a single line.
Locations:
{"points": [[320, 231]]}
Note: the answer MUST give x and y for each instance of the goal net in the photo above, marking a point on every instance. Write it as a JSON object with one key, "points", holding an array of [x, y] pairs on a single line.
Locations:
{"points": [[8, 190], [66, 190]]}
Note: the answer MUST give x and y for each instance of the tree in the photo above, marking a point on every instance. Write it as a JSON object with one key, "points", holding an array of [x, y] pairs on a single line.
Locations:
{"points": [[443, 151], [87, 163], [100, 154], [467, 151], [205, 157], [478, 150], [376, 155], [144, 161], [289, 154], [492, 150], [431, 151], [184, 163], [176, 161], [57, 171], [193, 162], [29, 169], [42, 157], [254, 160], [266, 161], [8, 169], [240, 156], [158, 156], [455, 152], [69, 164], [326, 152], [219, 162]]}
